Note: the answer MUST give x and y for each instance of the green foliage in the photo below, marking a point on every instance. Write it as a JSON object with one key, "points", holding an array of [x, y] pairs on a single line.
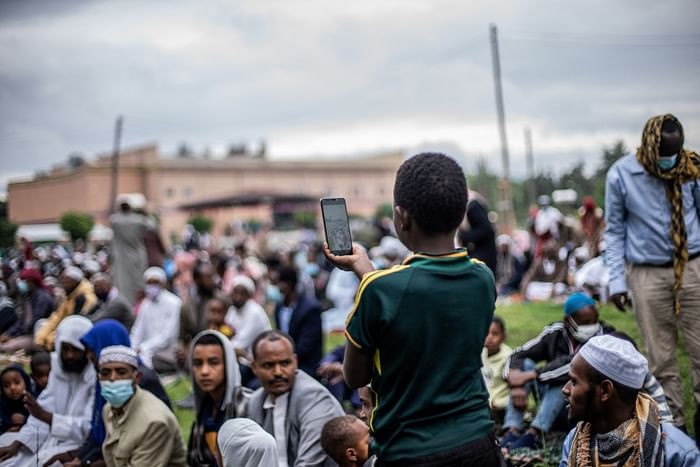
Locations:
{"points": [[486, 182], [7, 233], [201, 223], [77, 224], [384, 210], [305, 219]]}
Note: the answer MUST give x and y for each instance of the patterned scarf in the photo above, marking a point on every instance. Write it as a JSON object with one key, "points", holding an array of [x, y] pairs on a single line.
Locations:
{"points": [[687, 169], [631, 444]]}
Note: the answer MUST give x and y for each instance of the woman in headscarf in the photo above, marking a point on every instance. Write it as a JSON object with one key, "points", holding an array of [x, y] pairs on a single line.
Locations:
{"points": [[243, 443], [218, 394]]}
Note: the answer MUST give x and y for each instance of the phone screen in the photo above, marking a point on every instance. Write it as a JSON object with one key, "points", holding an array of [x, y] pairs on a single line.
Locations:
{"points": [[335, 222]]}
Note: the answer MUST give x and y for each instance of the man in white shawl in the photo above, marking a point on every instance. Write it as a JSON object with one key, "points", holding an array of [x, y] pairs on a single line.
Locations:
{"points": [[243, 443], [60, 417]]}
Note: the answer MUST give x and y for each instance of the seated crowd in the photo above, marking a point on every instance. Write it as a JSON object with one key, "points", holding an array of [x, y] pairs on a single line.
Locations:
{"points": [[246, 325]]}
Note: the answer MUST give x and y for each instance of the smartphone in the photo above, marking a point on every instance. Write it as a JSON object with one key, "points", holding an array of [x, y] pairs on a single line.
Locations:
{"points": [[336, 225]]}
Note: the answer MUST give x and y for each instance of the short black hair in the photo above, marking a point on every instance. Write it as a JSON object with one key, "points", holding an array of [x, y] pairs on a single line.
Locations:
{"points": [[271, 335], [209, 339], [500, 323], [288, 275], [337, 435], [40, 357], [433, 189]]}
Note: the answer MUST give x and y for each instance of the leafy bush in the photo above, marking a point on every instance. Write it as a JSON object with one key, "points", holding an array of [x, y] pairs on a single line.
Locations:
{"points": [[77, 224], [201, 224], [7, 233]]}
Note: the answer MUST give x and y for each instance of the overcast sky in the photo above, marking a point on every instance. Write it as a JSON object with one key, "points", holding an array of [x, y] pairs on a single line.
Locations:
{"points": [[340, 78]]}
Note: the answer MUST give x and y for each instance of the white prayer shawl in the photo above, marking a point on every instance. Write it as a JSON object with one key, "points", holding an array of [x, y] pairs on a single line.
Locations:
{"points": [[243, 443], [248, 321], [157, 327], [70, 397]]}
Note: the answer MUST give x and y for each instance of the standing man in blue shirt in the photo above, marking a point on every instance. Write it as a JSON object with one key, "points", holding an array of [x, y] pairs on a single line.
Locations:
{"points": [[652, 215]]}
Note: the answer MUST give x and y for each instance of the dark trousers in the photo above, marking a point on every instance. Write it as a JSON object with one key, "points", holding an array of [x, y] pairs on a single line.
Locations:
{"points": [[482, 452]]}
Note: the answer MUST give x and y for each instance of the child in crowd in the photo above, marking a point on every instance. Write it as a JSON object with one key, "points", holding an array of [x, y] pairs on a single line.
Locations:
{"points": [[367, 403], [216, 309], [218, 395], [346, 440], [40, 365], [494, 357], [15, 383]]}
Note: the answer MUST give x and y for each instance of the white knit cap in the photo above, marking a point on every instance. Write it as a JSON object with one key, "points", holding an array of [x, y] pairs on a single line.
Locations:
{"points": [[155, 272], [74, 273], [119, 354], [617, 359], [244, 281]]}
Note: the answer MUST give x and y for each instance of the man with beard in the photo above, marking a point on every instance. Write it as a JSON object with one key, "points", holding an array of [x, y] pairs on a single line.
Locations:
{"points": [[555, 345], [290, 405], [80, 300], [60, 417], [618, 425], [112, 304]]}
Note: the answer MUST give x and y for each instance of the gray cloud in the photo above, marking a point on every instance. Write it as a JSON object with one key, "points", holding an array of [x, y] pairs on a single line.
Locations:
{"points": [[317, 77]]}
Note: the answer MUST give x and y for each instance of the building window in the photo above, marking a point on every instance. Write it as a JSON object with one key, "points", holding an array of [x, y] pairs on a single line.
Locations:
{"points": [[169, 192], [380, 190], [187, 192]]}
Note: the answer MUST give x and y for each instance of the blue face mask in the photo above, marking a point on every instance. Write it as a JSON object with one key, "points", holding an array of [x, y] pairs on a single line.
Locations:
{"points": [[667, 163], [117, 392], [23, 287], [272, 293]]}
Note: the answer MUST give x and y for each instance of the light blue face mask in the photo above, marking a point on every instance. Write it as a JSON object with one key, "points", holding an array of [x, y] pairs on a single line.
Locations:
{"points": [[273, 294], [23, 287], [117, 392], [667, 163]]}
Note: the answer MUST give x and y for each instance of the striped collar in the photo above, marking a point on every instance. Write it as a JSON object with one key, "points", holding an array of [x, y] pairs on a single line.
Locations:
{"points": [[458, 253]]}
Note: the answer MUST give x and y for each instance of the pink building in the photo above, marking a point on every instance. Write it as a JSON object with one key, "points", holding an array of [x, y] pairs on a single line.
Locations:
{"points": [[234, 188]]}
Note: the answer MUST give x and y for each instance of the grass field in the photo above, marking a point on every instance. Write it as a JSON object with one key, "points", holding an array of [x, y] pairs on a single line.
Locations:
{"points": [[524, 321]]}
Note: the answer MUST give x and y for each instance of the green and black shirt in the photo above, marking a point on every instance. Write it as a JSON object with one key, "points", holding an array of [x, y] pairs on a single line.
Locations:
{"points": [[423, 323]]}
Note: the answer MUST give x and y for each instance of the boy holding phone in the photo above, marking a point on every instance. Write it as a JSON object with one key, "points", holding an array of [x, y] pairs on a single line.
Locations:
{"points": [[416, 330]]}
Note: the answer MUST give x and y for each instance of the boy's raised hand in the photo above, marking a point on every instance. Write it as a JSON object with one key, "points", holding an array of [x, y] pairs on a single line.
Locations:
{"points": [[357, 262]]}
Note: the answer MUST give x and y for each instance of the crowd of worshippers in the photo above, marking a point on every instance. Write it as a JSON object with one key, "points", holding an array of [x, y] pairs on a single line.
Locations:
{"points": [[103, 335]]}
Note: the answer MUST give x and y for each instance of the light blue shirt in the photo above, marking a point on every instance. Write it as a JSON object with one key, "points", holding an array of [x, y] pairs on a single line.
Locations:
{"points": [[638, 219], [285, 315]]}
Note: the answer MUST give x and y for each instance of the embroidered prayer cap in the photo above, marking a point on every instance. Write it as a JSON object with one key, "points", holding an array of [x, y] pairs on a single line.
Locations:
{"points": [[244, 281], [74, 273], [617, 359], [119, 354], [155, 272], [575, 302]]}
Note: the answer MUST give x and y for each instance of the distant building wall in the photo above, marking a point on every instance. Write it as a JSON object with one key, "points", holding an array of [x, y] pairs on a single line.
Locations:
{"points": [[170, 183]]}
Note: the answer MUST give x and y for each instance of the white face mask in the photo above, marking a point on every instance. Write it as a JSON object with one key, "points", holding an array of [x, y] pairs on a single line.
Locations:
{"points": [[152, 290], [583, 332]]}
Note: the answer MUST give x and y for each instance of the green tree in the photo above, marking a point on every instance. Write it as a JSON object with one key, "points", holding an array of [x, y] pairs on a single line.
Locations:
{"points": [[485, 182], [384, 210], [7, 233], [610, 154], [201, 223], [305, 219], [77, 224]]}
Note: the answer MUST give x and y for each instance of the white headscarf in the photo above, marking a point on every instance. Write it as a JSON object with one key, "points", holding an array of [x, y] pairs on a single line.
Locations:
{"points": [[70, 330], [243, 443]]}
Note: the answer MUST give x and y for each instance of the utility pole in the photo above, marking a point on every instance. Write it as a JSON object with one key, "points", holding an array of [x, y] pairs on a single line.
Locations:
{"points": [[505, 207], [530, 167], [115, 162]]}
